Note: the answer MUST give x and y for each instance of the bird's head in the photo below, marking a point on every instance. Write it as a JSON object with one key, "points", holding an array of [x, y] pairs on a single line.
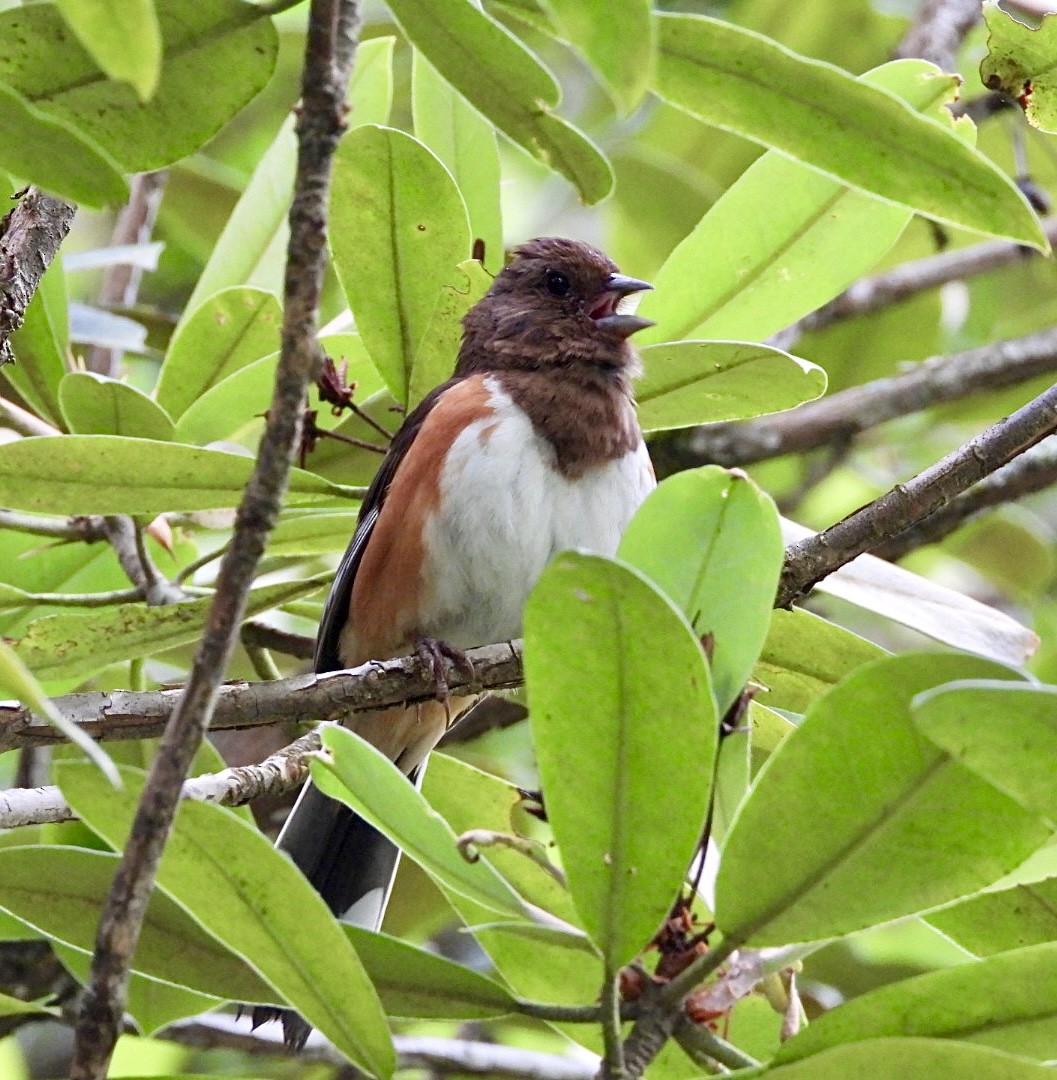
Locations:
{"points": [[556, 303]]}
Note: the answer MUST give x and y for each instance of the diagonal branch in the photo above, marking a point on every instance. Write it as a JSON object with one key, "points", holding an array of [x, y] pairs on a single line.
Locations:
{"points": [[329, 53]]}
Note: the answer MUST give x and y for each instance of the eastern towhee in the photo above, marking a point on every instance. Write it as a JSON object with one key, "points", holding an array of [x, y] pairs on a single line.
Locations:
{"points": [[530, 448]]}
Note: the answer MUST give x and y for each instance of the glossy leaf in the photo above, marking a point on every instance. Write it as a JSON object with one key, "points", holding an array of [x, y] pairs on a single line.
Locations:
{"points": [[225, 36], [874, 141], [95, 405], [1004, 919], [1006, 734], [398, 229], [40, 347], [625, 759], [1019, 62], [123, 38], [72, 646], [804, 656], [709, 539], [621, 48], [809, 246], [500, 78], [313, 533], [59, 891], [363, 778], [1008, 1002], [228, 876], [844, 828], [938, 1059], [112, 474], [701, 382], [415, 983], [228, 331], [466, 143]]}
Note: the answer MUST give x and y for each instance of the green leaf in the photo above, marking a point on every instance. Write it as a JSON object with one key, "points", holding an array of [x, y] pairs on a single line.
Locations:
{"points": [[228, 876], [622, 49], [231, 329], [937, 1059], [1005, 734], [398, 229], [96, 405], [625, 758], [435, 357], [60, 890], [804, 656], [465, 142], [18, 680], [809, 246], [109, 474], [1008, 1002], [995, 922], [416, 984], [701, 382], [710, 541], [185, 110], [53, 153], [10, 1006], [1022, 62], [500, 78], [73, 646], [857, 819], [40, 347], [362, 777], [746, 83], [122, 37], [313, 533]]}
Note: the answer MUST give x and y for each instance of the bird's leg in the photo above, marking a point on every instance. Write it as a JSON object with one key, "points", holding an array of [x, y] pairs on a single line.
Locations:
{"points": [[433, 652]]}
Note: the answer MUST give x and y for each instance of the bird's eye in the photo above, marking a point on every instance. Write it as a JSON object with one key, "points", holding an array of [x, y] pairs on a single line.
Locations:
{"points": [[557, 283]]}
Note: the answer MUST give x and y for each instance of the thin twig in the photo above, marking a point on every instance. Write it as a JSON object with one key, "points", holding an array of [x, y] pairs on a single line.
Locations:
{"points": [[939, 30], [88, 529], [126, 539], [613, 1066], [329, 53], [21, 420], [262, 636], [704, 1047], [810, 560]]}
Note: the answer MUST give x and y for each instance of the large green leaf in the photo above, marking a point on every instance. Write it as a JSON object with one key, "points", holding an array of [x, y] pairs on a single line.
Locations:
{"points": [[72, 646], [365, 779], [858, 819], [398, 230], [60, 890], [313, 533], [41, 60], [621, 49], [825, 118], [1008, 1002], [1006, 734], [40, 346], [228, 331], [113, 474], [812, 243], [710, 541], [1021, 61], [53, 153], [701, 382], [503, 80], [1004, 919], [464, 140], [227, 875], [96, 405], [122, 36], [625, 758]]}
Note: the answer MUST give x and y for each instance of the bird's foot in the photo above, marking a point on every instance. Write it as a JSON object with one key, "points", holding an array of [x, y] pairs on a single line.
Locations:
{"points": [[433, 652]]}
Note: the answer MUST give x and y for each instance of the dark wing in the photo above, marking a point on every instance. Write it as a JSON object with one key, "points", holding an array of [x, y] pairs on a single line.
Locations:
{"points": [[336, 608]]}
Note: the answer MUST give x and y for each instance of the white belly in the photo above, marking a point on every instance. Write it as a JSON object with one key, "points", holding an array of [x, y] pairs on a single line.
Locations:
{"points": [[507, 512]]}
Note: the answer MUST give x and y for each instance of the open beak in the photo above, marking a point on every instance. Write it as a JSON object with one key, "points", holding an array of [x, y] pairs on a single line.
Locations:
{"points": [[603, 309]]}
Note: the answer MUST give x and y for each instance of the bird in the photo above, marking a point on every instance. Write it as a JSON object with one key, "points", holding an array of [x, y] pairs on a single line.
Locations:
{"points": [[532, 447]]}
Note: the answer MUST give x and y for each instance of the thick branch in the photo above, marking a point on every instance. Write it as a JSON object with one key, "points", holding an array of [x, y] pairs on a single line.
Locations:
{"points": [[939, 30], [30, 236], [810, 560], [329, 53], [845, 414]]}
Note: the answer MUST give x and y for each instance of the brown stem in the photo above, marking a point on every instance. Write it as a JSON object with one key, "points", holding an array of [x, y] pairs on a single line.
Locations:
{"points": [[939, 30]]}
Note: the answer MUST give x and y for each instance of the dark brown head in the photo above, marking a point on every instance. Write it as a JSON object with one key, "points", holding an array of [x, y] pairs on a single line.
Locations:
{"points": [[556, 304]]}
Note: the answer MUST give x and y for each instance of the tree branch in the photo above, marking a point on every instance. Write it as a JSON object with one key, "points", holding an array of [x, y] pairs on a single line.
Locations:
{"points": [[812, 559], [30, 236], [939, 30], [850, 412], [329, 53]]}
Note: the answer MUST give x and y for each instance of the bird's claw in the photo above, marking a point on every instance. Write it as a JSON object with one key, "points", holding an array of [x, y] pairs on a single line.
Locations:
{"points": [[433, 652]]}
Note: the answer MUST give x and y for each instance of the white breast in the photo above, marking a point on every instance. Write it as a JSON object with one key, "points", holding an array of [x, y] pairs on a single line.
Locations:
{"points": [[506, 512]]}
